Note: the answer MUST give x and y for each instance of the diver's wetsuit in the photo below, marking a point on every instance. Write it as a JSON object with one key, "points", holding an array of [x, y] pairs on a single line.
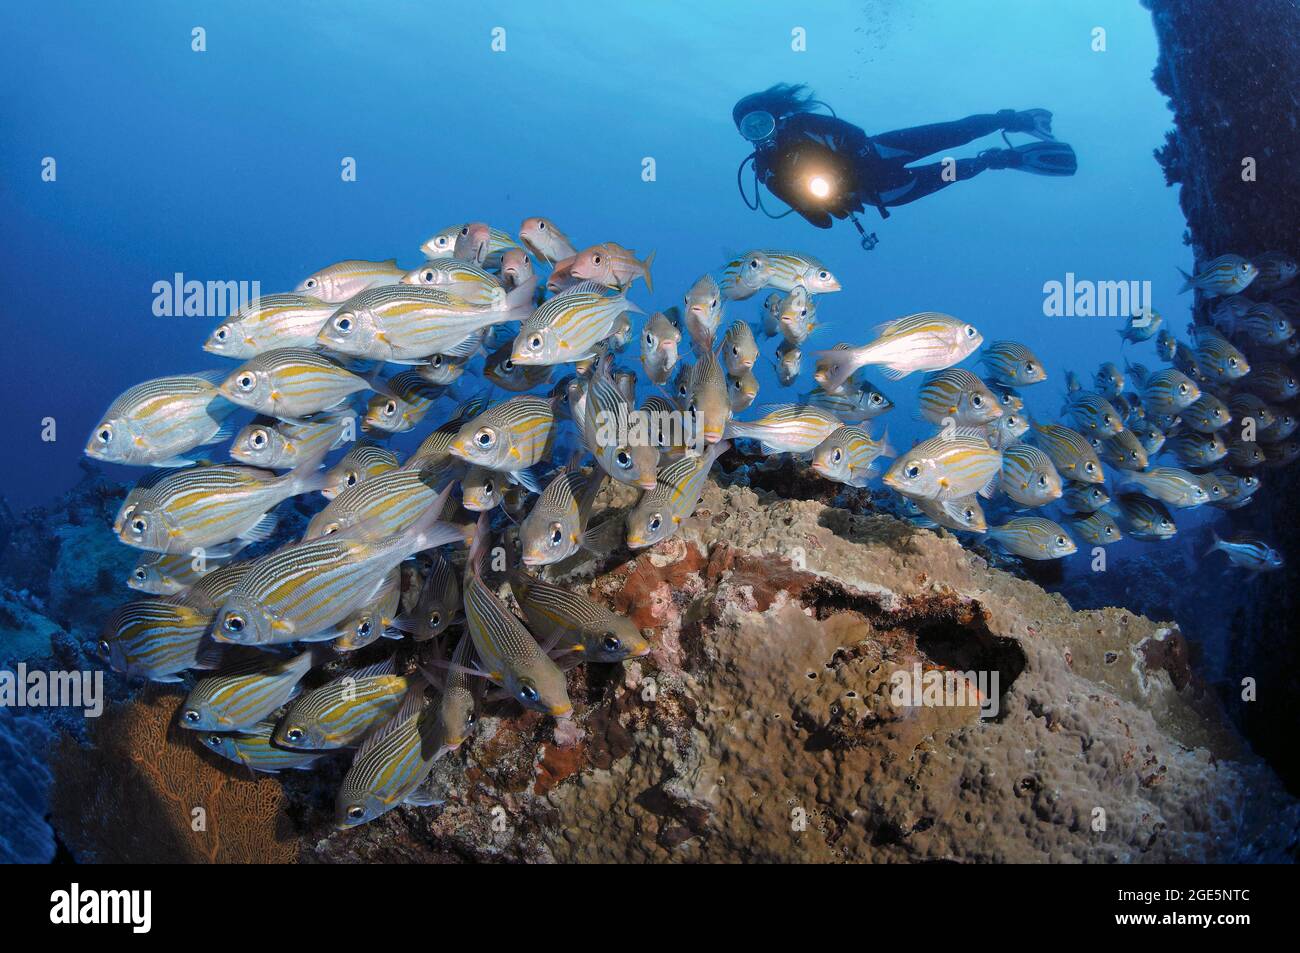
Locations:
{"points": [[877, 165]]}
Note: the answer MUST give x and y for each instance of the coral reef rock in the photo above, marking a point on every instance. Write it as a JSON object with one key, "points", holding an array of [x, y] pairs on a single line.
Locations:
{"points": [[763, 726]]}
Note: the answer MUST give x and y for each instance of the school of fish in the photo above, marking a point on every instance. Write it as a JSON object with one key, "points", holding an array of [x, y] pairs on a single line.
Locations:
{"points": [[439, 558]]}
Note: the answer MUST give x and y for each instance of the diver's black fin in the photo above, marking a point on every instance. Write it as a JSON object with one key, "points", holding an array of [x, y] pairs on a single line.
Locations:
{"points": [[1045, 158]]}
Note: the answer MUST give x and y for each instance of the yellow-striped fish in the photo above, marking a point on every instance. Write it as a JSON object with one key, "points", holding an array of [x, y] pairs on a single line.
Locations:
{"points": [[160, 421], [158, 638], [570, 621], [660, 512], [568, 327], [391, 763], [745, 276], [510, 437], [254, 749], [957, 397], [928, 341], [1098, 528], [1028, 476], [1012, 364], [381, 506], [282, 445], [342, 712], [365, 460], [291, 383], [407, 399], [848, 455], [304, 590], [1033, 537], [508, 654], [790, 270], [1169, 485], [343, 279], [1071, 453], [405, 324], [787, 428], [442, 244], [554, 529], [240, 695], [659, 347], [208, 505], [170, 574], [948, 466], [797, 317], [270, 322], [1225, 275]]}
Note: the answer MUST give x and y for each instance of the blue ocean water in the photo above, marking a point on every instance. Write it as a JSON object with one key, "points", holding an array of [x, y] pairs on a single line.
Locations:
{"points": [[225, 165]]}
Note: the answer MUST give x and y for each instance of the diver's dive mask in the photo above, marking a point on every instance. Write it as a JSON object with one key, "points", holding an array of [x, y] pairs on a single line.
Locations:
{"points": [[758, 126]]}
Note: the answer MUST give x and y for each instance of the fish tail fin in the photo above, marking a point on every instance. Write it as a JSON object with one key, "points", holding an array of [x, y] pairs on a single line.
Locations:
{"points": [[518, 303], [1217, 544], [887, 449], [307, 476], [649, 260], [1187, 281], [478, 548]]}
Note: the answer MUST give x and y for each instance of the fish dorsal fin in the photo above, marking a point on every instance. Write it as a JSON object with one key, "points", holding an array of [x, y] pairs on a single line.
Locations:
{"points": [[411, 707]]}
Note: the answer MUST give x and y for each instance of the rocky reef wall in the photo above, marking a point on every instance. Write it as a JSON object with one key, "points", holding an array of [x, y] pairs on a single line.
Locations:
{"points": [[1231, 71]]}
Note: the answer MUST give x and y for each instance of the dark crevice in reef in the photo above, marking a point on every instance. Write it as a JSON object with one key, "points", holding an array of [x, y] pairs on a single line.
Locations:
{"points": [[1232, 72]]}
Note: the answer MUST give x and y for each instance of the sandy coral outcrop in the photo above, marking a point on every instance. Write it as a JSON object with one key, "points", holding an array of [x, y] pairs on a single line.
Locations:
{"points": [[762, 726]]}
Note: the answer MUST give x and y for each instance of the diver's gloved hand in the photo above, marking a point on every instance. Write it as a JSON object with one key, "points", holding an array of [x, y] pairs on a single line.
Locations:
{"points": [[1035, 122]]}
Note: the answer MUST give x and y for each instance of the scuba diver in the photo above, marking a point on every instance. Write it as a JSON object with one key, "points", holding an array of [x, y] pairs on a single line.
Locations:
{"points": [[824, 167]]}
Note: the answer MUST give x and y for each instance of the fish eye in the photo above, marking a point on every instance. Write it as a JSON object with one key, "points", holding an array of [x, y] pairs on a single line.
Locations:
{"points": [[1060, 541], [104, 647], [876, 399], [343, 323], [753, 263], [356, 812], [310, 283], [190, 715], [977, 401], [465, 230], [489, 487], [1182, 388], [837, 455], [221, 333], [364, 628], [428, 276], [258, 439], [541, 226], [390, 408], [105, 434], [912, 472], [1029, 367], [507, 365], [823, 275], [970, 331], [557, 534], [655, 522], [294, 734], [214, 741], [435, 619], [1042, 480], [140, 574], [246, 381], [595, 259], [1090, 467], [650, 339], [611, 642], [351, 478], [485, 438], [623, 460], [233, 623], [535, 342], [138, 525]]}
